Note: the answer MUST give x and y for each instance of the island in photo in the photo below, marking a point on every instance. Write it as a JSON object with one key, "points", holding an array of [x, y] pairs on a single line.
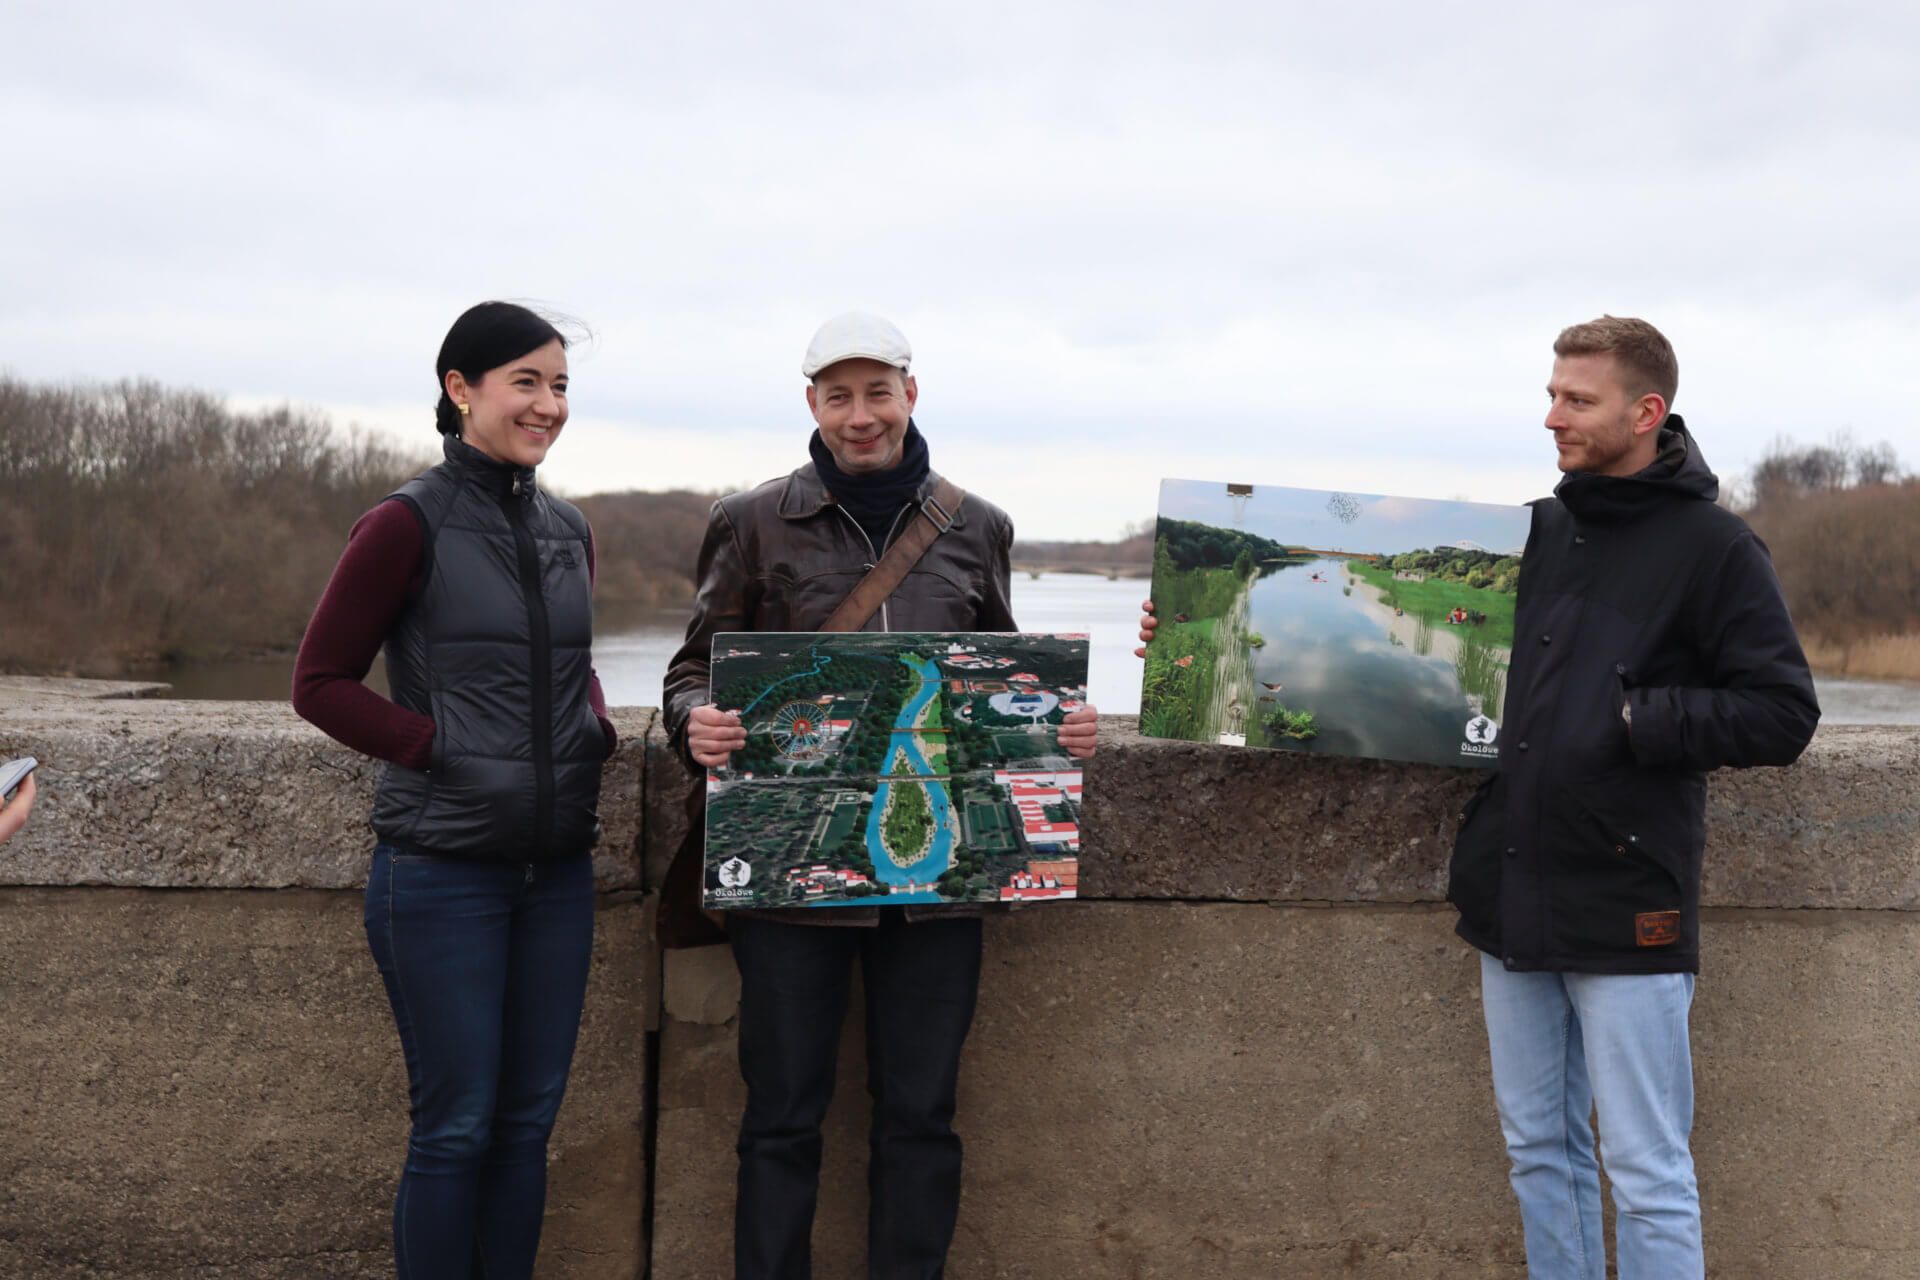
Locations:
{"points": [[1352, 624], [885, 768]]}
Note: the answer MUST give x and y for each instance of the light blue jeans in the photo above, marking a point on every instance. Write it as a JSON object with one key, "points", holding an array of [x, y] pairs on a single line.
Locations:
{"points": [[1563, 1043]]}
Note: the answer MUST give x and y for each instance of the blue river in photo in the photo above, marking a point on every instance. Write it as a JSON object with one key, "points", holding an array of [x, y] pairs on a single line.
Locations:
{"points": [[940, 856]]}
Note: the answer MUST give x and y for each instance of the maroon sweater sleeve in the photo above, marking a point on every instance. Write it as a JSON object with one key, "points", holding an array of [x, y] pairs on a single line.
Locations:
{"points": [[596, 698], [373, 582], [376, 577]]}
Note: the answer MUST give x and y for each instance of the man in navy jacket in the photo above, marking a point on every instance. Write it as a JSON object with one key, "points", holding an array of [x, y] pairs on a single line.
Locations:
{"points": [[1651, 645]]}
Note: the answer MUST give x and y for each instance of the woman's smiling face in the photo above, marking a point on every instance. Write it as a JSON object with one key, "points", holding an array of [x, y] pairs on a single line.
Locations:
{"points": [[515, 412]]}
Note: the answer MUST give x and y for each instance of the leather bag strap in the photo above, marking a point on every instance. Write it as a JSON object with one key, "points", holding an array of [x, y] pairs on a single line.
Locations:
{"points": [[938, 510]]}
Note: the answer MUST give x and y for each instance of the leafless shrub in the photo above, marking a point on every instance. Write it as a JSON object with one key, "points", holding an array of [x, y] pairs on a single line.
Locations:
{"points": [[139, 522], [1849, 560], [647, 545]]}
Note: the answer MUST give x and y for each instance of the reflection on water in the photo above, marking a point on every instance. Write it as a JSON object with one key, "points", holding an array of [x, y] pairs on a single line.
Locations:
{"points": [[1347, 660], [632, 647], [631, 650]]}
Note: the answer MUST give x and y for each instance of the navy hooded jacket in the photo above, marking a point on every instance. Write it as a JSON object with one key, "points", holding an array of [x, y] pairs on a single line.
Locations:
{"points": [[1582, 852]]}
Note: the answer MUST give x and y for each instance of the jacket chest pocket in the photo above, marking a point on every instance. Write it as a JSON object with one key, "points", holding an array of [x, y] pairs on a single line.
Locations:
{"points": [[802, 603], [928, 601]]}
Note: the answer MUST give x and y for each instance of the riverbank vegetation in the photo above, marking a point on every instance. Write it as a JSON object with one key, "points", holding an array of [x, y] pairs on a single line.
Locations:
{"points": [[1481, 669], [1434, 600], [1279, 726], [1189, 544], [646, 545], [140, 523], [1201, 576], [1177, 687], [1467, 568], [1843, 523]]}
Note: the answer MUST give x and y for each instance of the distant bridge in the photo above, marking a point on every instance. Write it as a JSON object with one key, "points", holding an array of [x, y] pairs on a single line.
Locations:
{"points": [[1327, 551], [1110, 571]]}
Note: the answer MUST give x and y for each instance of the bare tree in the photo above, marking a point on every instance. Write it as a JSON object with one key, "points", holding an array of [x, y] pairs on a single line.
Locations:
{"points": [[139, 522], [1789, 472]]}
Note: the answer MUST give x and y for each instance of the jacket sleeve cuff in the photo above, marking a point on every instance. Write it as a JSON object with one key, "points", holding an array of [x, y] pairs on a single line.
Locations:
{"points": [[416, 748], [678, 718], [1654, 735]]}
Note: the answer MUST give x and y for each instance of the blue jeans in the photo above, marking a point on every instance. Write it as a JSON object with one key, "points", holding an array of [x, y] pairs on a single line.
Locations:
{"points": [[1562, 1043], [921, 983], [486, 968]]}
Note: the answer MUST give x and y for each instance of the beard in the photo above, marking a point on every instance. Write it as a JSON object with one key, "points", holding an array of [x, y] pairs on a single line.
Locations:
{"points": [[1601, 450]]}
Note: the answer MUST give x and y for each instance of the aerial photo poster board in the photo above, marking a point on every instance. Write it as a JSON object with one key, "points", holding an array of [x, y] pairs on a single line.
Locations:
{"points": [[885, 767], [1343, 623]]}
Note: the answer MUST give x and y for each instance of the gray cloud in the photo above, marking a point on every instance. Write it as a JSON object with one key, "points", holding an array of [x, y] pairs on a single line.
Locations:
{"points": [[1265, 237]]}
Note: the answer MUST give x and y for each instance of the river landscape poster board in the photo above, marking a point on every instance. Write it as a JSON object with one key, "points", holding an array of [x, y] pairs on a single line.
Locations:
{"points": [[1353, 624], [884, 768]]}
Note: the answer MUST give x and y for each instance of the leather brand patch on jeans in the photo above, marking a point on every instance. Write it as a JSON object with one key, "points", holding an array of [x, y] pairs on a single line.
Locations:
{"points": [[1656, 928]]}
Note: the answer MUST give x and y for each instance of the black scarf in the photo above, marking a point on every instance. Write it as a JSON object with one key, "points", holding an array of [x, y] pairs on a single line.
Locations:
{"points": [[874, 498]]}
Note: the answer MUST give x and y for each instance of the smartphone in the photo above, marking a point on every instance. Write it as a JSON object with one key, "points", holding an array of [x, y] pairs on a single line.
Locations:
{"points": [[12, 774]]}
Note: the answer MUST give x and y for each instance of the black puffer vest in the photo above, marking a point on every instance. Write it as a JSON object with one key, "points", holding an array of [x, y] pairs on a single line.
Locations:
{"points": [[496, 649]]}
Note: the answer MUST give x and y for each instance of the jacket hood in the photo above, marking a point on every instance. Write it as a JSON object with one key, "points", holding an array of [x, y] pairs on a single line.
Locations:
{"points": [[1680, 471]]}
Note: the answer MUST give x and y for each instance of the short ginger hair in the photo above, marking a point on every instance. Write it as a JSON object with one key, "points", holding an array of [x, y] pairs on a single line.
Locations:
{"points": [[1646, 359]]}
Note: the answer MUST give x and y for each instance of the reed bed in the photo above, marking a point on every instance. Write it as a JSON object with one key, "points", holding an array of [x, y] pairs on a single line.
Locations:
{"points": [[1882, 657]]}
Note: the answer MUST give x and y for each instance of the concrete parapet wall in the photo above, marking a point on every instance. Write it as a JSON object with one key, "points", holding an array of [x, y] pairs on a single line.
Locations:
{"points": [[1839, 829], [200, 1077], [1251, 1091], [226, 795], [1254, 1050]]}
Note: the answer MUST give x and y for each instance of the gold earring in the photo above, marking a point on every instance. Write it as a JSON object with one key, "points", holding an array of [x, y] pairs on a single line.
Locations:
{"points": [[463, 411]]}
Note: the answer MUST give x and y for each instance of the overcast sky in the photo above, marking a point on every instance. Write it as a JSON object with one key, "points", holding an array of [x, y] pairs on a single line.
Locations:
{"points": [[1316, 245], [1366, 522]]}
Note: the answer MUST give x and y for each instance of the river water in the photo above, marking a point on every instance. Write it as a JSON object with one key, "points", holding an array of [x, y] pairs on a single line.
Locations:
{"points": [[927, 869], [1378, 685], [633, 648]]}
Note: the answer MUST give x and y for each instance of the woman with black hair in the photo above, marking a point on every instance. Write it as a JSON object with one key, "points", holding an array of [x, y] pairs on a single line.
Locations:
{"points": [[479, 904]]}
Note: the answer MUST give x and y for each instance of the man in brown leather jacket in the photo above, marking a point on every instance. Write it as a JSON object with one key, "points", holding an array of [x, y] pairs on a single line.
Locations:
{"points": [[782, 557]]}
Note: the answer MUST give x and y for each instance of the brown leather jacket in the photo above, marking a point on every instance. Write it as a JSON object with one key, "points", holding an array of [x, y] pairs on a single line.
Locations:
{"points": [[782, 557]]}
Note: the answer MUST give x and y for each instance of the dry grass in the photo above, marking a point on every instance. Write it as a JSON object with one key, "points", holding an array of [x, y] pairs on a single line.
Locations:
{"points": [[1873, 658]]}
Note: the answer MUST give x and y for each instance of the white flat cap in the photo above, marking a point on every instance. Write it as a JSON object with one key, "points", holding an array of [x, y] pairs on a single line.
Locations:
{"points": [[856, 335]]}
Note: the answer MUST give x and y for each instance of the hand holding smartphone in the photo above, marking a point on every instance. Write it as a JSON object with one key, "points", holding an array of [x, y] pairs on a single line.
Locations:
{"points": [[15, 776], [13, 773]]}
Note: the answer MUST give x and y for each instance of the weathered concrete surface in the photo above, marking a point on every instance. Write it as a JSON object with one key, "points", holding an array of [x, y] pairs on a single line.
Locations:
{"points": [[1283, 1076], [179, 794], [176, 794], [669, 779], [209, 1085], [19, 689], [1248, 1091], [1839, 829]]}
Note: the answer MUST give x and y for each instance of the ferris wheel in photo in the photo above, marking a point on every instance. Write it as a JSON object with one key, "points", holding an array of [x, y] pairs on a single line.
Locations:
{"points": [[800, 730]]}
